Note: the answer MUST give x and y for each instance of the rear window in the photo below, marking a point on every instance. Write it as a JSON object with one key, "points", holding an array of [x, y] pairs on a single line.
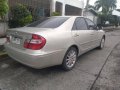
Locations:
{"points": [[53, 22]]}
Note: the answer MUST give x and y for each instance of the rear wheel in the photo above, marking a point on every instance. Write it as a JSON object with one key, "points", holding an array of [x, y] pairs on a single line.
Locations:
{"points": [[102, 43], [70, 59]]}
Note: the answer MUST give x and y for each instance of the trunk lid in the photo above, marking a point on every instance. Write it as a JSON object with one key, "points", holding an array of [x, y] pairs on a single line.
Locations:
{"points": [[19, 35]]}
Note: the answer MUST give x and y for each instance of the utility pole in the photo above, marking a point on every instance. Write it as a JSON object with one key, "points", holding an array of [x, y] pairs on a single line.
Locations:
{"points": [[87, 3]]}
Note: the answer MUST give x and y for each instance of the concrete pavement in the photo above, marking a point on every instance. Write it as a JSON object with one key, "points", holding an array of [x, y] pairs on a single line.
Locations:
{"points": [[109, 78], [15, 76]]}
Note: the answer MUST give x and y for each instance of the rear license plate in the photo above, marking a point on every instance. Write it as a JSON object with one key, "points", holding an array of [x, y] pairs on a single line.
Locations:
{"points": [[16, 40]]}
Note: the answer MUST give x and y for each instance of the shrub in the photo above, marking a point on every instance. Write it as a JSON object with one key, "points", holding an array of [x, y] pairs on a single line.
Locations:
{"points": [[55, 14], [21, 16], [3, 8]]}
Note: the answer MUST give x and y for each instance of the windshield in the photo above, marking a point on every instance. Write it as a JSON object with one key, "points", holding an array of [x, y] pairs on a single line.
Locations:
{"points": [[53, 22]]}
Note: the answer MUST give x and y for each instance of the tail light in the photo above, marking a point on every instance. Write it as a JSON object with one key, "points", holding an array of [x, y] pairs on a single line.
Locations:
{"points": [[37, 42]]}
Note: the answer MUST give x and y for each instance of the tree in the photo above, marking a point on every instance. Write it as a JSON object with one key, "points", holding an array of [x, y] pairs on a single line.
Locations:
{"points": [[106, 5], [3, 8], [20, 16]]}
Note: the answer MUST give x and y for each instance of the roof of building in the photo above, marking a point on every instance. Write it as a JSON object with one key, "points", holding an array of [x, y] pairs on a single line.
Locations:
{"points": [[116, 12], [93, 12]]}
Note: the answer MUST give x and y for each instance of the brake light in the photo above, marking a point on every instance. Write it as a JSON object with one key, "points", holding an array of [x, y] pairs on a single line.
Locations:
{"points": [[37, 42]]}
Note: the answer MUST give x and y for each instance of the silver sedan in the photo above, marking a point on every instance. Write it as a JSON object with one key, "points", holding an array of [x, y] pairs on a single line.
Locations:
{"points": [[54, 41]]}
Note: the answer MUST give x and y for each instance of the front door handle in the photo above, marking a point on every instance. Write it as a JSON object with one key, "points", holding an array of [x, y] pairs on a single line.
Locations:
{"points": [[91, 34], [76, 35]]}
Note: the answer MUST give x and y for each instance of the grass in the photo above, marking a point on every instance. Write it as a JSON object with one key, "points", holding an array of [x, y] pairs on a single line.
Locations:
{"points": [[2, 53]]}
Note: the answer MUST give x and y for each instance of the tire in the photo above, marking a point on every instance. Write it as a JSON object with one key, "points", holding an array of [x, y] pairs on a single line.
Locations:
{"points": [[70, 59], [102, 43]]}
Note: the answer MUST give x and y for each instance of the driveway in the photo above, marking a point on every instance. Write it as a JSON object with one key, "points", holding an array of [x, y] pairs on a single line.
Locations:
{"points": [[15, 76]]}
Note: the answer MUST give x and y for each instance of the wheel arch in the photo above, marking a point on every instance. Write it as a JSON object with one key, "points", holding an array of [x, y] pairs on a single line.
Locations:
{"points": [[104, 37], [75, 46]]}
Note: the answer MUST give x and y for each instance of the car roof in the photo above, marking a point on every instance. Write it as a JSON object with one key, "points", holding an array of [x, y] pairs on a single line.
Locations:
{"points": [[68, 16]]}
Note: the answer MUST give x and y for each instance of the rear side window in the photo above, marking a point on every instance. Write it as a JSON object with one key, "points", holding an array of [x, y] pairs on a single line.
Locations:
{"points": [[80, 24], [53, 22]]}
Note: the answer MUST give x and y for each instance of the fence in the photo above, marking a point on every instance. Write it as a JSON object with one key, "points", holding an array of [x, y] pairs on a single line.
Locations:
{"points": [[3, 28]]}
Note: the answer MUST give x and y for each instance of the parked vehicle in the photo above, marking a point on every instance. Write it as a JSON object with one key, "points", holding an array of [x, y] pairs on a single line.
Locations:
{"points": [[54, 41]]}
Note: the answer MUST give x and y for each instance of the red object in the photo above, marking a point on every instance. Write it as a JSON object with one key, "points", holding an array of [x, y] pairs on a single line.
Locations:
{"points": [[36, 43]]}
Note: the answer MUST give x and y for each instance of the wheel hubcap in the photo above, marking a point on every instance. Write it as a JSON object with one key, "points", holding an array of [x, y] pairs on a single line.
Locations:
{"points": [[71, 58]]}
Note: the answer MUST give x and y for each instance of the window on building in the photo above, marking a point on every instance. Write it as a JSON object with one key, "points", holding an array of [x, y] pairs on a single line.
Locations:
{"points": [[71, 10]]}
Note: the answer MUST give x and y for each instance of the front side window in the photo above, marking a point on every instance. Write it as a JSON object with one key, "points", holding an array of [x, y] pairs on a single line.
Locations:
{"points": [[80, 24], [91, 24], [53, 22]]}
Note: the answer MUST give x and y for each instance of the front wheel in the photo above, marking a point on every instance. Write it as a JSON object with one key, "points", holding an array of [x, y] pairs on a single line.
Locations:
{"points": [[70, 59]]}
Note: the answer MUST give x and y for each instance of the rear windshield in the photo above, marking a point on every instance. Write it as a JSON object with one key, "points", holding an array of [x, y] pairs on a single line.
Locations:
{"points": [[53, 22]]}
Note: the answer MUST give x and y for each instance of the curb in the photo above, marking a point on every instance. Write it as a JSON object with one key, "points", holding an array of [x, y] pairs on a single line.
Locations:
{"points": [[112, 29]]}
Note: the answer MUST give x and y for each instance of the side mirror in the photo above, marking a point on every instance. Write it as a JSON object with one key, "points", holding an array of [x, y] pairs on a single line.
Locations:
{"points": [[99, 27], [91, 27]]}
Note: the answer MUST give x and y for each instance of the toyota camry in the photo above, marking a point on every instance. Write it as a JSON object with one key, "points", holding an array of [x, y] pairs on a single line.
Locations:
{"points": [[54, 41]]}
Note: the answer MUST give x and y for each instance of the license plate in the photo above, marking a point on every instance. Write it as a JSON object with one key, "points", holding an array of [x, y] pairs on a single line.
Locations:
{"points": [[15, 40]]}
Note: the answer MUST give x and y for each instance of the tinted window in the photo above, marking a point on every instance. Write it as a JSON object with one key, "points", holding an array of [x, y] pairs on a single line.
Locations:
{"points": [[89, 22], [53, 22], [80, 24]]}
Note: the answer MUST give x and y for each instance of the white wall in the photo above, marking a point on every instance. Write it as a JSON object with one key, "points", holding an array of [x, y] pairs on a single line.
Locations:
{"points": [[117, 13], [76, 3]]}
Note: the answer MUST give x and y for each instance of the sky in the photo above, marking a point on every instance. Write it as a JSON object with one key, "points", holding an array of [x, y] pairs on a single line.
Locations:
{"points": [[93, 1]]}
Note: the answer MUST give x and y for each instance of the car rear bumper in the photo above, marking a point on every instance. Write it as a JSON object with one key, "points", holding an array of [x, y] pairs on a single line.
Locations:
{"points": [[36, 60]]}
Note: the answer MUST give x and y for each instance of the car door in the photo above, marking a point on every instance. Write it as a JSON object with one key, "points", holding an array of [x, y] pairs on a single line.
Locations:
{"points": [[81, 34], [94, 33]]}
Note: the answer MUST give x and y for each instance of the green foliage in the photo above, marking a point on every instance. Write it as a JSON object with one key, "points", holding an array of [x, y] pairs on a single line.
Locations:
{"points": [[114, 20], [106, 5], [20, 16], [3, 8], [55, 14]]}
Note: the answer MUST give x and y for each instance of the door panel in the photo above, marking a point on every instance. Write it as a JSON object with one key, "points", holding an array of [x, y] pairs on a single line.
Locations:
{"points": [[94, 31], [83, 39], [81, 34]]}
